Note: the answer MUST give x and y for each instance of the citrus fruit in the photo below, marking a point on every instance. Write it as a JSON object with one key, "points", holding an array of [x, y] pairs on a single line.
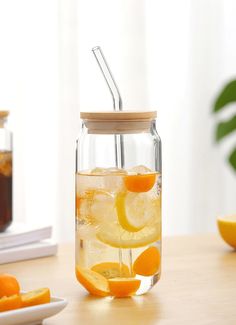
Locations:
{"points": [[123, 287], [114, 235], [8, 285], [95, 283], [227, 229], [135, 210], [10, 303], [139, 183], [148, 262], [35, 297], [111, 270]]}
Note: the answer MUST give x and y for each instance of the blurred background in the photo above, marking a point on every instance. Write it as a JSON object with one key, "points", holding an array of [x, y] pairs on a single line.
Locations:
{"points": [[170, 56]]}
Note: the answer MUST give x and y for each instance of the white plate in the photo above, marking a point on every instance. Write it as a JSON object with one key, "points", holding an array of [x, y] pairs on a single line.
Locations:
{"points": [[32, 315]]}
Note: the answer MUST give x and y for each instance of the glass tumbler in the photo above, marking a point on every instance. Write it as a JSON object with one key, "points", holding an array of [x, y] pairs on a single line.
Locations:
{"points": [[118, 203]]}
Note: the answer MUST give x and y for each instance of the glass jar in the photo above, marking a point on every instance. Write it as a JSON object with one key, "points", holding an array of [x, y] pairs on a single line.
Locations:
{"points": [[5, 173], [118, 203]]}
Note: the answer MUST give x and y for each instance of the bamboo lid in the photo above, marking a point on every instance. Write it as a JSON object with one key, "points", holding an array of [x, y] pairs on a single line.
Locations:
{"points": [[119, 116], [4, 114]]}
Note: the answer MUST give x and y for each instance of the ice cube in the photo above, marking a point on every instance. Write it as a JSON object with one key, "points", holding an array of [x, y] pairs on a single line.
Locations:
{"points": [[96, 207], [141, 169], [85, 182]]}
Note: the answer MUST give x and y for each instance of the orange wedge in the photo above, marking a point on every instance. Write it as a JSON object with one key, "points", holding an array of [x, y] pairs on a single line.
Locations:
{"points": [[140, 183], [95, 283], [123, 287], [148, 262], [36, 297], [111, 270], [10, 303]]}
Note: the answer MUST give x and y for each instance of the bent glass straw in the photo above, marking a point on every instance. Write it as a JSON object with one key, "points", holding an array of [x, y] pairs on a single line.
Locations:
{"points": [[117, 102]]}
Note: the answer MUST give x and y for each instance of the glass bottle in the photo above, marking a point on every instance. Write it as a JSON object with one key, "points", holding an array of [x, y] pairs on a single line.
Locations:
{"points": [[118, 203], [5, 173]]}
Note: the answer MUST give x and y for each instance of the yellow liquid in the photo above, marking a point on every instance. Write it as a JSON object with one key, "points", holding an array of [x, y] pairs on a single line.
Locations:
{"points": [[118, 217]]}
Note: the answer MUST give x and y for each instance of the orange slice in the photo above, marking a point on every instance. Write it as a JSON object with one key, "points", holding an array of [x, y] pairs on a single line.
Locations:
{"points": [[10, 303], [95, 283], [36, 297], [111, 270], [140, 183], [136, 210], [148, 262], [8, 285], [227, 229], [123, 287]]}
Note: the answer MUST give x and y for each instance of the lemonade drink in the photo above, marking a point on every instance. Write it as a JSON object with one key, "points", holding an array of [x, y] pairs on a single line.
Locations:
{"points": [[118, 230]]}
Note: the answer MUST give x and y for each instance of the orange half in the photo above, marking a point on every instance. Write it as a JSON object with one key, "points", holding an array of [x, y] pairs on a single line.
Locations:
{"points": [[140, 183], [148, 262], [123, 287], [8, 285]]}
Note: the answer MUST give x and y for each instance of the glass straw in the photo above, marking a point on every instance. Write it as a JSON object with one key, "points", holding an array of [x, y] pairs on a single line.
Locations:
{"points": [[117, 102]]}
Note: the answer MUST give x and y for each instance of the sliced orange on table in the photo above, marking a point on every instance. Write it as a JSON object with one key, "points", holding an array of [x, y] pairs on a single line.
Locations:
{"points": [[10, 303], [95, 283], [36, 297], [8, 285], [148, 262], [111, 270], [123, 287], [227, 229], [140, 183]]}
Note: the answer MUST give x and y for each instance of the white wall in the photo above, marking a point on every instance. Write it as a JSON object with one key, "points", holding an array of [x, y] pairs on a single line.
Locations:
{"points": [[29, 89], [167, 55]]}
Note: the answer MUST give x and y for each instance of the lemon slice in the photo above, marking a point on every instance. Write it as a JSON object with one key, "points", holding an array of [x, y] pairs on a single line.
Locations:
{"points": [[136, 210], [227, 229], [114, 235]]}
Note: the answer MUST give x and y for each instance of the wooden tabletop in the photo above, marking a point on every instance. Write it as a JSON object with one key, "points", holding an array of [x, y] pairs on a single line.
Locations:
{"points": [[198, 286]]}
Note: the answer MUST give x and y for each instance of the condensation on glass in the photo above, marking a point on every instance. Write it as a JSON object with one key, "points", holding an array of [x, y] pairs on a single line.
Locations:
{"points": [[118, 203], [5, 173]]}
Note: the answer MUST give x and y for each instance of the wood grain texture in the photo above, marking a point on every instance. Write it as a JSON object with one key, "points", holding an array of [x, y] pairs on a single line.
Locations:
{"points": [[198, 286]]}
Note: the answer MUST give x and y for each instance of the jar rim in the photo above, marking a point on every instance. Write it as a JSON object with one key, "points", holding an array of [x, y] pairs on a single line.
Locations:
{"points": [[119, 115]]}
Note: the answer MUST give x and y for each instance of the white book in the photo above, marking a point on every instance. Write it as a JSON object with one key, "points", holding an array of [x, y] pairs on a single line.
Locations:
{"points": [[22, 233], [27, 252]]}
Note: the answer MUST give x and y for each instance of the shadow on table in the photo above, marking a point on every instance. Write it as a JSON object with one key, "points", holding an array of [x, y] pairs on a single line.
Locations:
{"points": [[144, 309]]}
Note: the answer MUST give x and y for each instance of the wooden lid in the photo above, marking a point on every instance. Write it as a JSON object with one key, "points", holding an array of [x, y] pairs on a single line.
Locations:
{"points": [[119, 116], [4, 114]]}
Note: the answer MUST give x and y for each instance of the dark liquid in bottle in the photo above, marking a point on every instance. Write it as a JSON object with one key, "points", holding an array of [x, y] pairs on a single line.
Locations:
{"points": [[5, 189]]}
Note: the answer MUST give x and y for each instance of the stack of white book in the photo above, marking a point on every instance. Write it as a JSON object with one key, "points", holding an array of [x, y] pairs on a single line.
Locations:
{"points": [[22, 242]]}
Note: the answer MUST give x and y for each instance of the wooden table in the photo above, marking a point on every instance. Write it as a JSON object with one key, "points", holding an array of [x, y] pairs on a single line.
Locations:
{"points": [[198, 286]]}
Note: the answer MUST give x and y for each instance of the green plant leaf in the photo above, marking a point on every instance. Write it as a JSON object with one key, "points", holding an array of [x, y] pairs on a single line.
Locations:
{"points": [[232, 159], [226, 96], [225, 128]]}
